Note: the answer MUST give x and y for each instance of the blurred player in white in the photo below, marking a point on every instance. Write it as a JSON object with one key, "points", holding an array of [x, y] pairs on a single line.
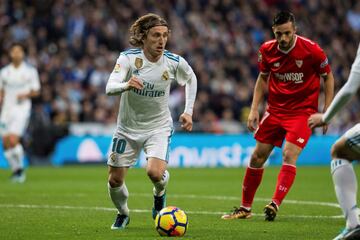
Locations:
{"points": [[345, 150], [19, 82], [142, 76]]}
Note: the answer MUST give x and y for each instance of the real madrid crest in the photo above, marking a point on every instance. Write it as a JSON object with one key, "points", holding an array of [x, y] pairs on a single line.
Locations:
{"points": [[138, 63], [165, 76], [113, 157]]}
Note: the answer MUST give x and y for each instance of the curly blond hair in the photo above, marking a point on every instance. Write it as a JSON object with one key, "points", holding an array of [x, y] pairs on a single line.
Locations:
{"points": [[140, 28]]}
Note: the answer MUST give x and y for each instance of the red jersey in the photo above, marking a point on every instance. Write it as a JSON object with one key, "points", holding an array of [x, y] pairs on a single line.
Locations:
{"points": [[294, 81]]}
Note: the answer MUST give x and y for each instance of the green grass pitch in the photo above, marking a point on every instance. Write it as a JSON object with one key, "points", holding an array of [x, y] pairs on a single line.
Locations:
{"points": [[72, 203]]}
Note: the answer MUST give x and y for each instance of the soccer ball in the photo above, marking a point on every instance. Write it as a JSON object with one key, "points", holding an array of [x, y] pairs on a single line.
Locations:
{"points": [[171, 221]]}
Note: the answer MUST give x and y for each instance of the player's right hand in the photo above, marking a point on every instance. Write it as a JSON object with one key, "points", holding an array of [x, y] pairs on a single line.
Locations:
{"points": [[136, 83], [315, 120], [253, 120]]}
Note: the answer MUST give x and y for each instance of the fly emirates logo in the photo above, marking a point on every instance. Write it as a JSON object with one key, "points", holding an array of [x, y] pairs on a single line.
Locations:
{"points": [[293, 77]]}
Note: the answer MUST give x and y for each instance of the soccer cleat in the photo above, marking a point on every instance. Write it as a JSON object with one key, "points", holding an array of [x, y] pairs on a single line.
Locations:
{"points": [[159, 203], [238, 213], [121, 222], [270, 211], [18, 176], [349, 234]]}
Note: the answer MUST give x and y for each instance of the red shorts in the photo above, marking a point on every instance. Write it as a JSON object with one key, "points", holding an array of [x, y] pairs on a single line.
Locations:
{"points": [[273, 128]]}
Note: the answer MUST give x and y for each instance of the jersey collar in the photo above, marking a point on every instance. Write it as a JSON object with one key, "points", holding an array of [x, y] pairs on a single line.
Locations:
{"points": [[291, 48], [159, 62]]}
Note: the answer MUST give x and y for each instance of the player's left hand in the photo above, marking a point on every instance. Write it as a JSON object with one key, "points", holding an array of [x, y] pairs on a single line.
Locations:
{"points": [[186, 121], [22, 97], [315, 120]]}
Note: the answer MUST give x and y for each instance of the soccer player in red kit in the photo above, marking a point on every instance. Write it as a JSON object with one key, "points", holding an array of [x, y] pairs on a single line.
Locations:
{"points": [[292, 66]]}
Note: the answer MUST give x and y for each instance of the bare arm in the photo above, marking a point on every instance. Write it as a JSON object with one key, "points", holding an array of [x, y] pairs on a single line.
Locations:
{"points": [[329, 94], [328, 89], [253, 119], [31, 94]]}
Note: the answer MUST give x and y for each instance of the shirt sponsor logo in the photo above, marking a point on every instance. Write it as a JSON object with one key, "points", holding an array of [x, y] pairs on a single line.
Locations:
{"points": [[293, 77], [299, 63], [149, 90], [324, 63]]}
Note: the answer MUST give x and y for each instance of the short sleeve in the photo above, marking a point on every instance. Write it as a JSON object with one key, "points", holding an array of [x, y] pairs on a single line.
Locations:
{"points": [[262, 62], [321, 61], [183, 72], [122, 63], [35, 81]]}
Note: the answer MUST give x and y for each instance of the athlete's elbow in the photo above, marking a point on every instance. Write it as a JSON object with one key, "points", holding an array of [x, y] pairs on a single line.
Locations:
{"points": [[109, 91]]}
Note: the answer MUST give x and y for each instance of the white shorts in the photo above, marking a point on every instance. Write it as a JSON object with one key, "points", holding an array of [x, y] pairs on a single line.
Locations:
{"points": [[353, 138], [126, 147], [14, 121]]}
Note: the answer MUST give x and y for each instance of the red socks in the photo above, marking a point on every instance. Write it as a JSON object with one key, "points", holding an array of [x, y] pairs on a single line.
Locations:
{"points": [[251, 183], [285, 180]]}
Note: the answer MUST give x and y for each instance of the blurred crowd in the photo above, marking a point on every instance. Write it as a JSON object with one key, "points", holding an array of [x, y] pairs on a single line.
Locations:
{"points": [[74, 45]]}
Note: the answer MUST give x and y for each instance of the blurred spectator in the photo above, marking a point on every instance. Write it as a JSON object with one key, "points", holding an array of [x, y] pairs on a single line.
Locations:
{"points": [[74, 45]]}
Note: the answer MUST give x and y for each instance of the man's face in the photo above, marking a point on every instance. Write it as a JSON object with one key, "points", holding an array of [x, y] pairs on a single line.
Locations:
{"points": [[17, 54], [284, 35], [156, 39]]}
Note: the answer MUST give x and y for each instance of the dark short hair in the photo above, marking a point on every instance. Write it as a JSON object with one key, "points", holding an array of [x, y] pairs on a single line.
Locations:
{"points": [[18, 44], [283, 17]]}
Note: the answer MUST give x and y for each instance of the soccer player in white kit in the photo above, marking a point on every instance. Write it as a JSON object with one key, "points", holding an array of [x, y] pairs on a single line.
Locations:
{"points": [[345, 150], [142, 76], [19, 82]]}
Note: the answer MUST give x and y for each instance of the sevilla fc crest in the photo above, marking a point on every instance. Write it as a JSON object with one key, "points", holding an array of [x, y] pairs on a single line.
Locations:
{"points": [[299, 63], [138, 63]]}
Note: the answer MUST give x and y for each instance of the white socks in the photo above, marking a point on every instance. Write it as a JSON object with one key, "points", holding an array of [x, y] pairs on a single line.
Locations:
{"points": [[119, 196], [159, 187], [15, 157], [345, 183]]}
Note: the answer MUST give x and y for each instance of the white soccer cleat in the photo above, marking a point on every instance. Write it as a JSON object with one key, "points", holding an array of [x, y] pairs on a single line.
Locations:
{"points": [[18, 177]]}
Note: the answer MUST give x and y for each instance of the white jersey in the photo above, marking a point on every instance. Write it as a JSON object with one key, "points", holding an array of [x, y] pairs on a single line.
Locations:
{"points": [[147, 110], [346, 92], [356, 65], [15, 81]]}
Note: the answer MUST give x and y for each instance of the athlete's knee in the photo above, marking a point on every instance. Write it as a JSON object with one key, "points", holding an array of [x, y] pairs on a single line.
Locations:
{"points": [[290, 156], [115, 181], [154, 174], [12, 141], [257, 159], [338, 149], [9, 141], [334, 151]]}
